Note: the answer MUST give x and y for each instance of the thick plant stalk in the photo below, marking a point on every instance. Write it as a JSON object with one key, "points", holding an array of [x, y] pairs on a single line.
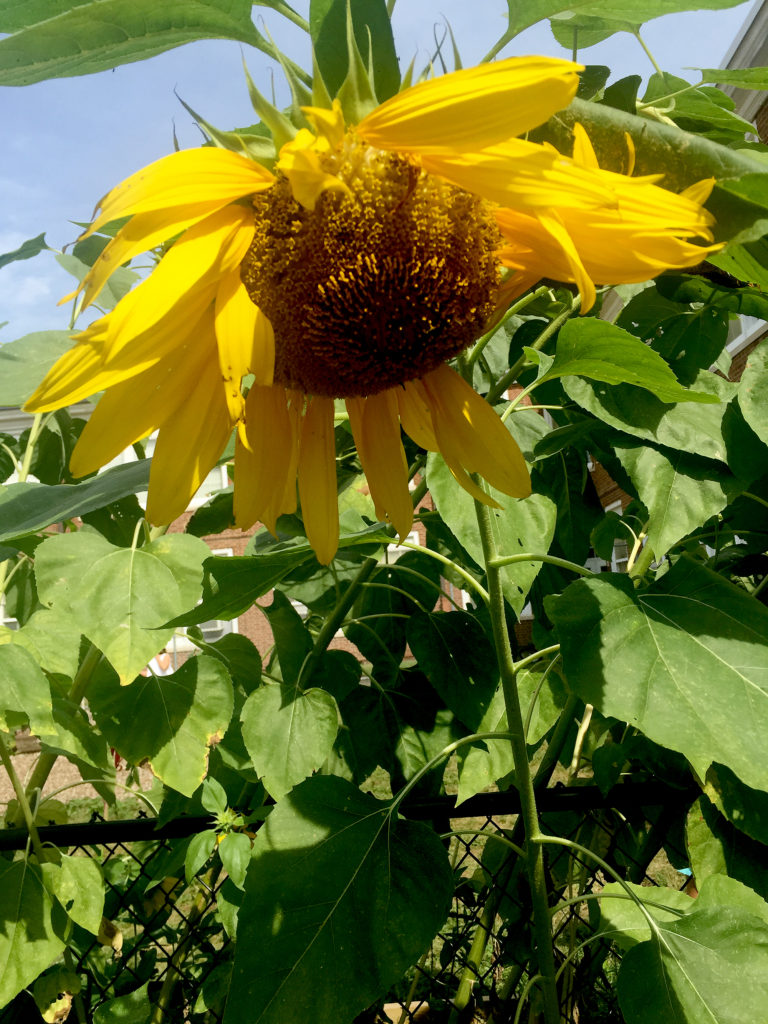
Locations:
{"points": [[542, 928]]}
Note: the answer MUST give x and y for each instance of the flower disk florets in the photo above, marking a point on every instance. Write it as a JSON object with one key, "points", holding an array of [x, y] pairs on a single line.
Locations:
{"points": [[390, 274]]}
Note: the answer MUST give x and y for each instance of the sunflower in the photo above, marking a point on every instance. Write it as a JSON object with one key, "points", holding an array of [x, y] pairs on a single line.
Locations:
{"points": [[369, 255]]}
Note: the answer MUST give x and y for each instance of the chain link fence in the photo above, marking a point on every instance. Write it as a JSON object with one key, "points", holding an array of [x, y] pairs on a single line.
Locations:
{"points": [[169, 942]]}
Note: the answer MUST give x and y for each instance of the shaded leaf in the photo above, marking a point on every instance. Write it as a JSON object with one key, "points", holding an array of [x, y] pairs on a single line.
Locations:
{"points": [[716, 847], [25, 251], [753, 395], [28, 507], [340, 899], [169, 721], [288, 734], [454, 652], [24, 689], [25, 362], [327, 25]]}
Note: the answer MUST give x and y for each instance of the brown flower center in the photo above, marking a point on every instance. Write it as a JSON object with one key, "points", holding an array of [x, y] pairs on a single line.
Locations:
{"points": [[375, 287]]}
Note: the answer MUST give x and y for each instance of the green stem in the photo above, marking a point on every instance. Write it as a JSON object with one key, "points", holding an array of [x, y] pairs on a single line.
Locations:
{"points": [[501, 560], [441, 756], [525, 662], [510, 376], [46, 761], [513, 310], [642, 564], [334, 621], [585, 850], [468, 577], [648, 53], [542, 928], [290, 14], [34, 433], [21, 796], [524, 995], [754, 497]]}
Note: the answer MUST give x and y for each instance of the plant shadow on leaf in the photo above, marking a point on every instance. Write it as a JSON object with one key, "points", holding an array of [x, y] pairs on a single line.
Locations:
{"points": [[684, 661]]}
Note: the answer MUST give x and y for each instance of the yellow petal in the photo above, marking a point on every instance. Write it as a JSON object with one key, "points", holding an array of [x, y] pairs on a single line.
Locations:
{"points": [[141, 233], [415, 416], [522, 175], [192, 267], [328, 123], [245, 340], [583, 150], [133, 409], [478, 437], [300, 161], [317, 479], [473, 108], [554, 225], [376, 428], [189, 446], [205, 179], [265, 477]]}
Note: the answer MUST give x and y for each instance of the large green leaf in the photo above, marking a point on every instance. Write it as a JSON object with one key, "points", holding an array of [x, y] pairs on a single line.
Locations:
{"points": [[685, 426], [520, 526], [78, 885], [624, 923], [454, 652], [55, 40], [232, 585], [341, 898], [686, 662], [680, 491], [169, 721], [288, 734], [52, 638], [28, 942], [744, 807], [27, 507], [24, 689], [711, 965], [121, 597], [25, 362], [753, 395], [293, 641], [327, 23], [602, 351]]}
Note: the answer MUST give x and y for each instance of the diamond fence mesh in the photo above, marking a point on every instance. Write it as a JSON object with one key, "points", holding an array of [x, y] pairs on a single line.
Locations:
{"points": [[170, 940]]}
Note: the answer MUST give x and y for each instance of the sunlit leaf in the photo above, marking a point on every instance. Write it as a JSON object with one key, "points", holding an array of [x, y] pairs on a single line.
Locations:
{"points": [[55, 40], [28, 942], [24, 363], [685, 662]]}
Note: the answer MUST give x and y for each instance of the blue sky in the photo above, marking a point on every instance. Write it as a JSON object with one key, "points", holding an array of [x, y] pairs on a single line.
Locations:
{"points": [[68, 141]]}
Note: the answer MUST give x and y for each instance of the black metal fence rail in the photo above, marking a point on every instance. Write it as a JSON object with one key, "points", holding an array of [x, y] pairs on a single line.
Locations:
{"points": [[579, 799]]}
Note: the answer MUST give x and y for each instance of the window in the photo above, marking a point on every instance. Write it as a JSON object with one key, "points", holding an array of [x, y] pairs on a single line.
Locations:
{"points": [[7, 620], [395, 551]]}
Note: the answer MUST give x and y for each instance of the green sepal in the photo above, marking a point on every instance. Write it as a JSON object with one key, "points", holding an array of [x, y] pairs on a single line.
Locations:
{"points": [[282, 129], [320, 95], [259, 148], [301, 94], [356, 95]]}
